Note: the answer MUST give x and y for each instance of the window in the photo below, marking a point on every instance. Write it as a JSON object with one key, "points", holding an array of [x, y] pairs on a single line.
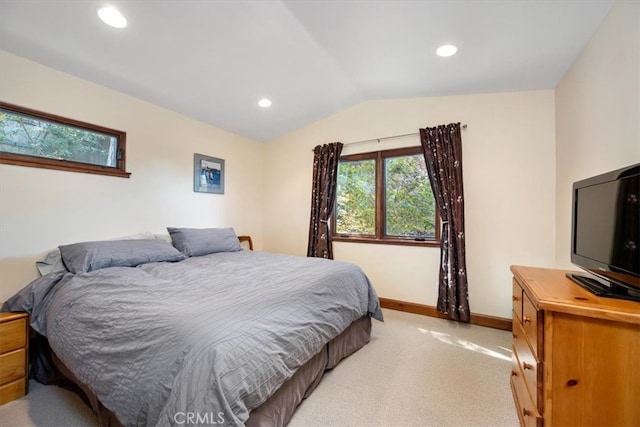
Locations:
{"points": [[36, 139], [385, 197]]}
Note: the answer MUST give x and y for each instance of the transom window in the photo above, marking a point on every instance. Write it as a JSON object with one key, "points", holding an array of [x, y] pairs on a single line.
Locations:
{"points": [[385, 197], [36, 139]]}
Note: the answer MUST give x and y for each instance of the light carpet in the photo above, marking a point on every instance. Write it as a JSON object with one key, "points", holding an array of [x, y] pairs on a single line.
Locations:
{"points": [[416, 371]]}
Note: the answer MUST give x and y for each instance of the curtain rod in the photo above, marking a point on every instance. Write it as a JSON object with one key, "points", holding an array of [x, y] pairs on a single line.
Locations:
{"points": [[464, 126]]}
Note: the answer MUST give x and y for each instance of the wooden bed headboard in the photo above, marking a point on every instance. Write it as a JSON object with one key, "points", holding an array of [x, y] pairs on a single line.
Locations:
{"points": [[246, 239]]}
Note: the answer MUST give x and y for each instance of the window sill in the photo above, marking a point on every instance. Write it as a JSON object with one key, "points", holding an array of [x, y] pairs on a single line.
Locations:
{"points": [[37, 162], [387, 241]]}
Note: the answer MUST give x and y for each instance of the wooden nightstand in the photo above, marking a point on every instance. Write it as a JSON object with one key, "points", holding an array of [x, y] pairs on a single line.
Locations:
{"points": [[14, 356]]}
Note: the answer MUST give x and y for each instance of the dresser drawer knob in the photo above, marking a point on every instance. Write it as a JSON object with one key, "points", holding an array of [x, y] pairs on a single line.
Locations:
{"points": [[572, 383], [527, 319], [526, 412], [515, 298], [527, 366], [514, 374]]}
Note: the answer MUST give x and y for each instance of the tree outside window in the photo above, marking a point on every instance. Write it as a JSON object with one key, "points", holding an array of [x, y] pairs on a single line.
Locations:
{"points": [[385, 197], [37, 139]]}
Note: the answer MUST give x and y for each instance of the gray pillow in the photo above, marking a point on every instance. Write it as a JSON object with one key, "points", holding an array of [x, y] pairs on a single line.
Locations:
{"points": [[204, 241], [52, 261], [89, 256]]}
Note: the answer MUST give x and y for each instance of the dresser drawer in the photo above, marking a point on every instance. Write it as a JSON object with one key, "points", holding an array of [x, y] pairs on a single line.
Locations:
{"points": [[13, 335], [12, 365], [527, 411], [529, 365], [530, 324], [517, 300]]}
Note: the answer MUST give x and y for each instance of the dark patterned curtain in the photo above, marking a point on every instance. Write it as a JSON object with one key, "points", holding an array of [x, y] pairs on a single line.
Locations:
{"points": [[325, 175], [442, 147]]}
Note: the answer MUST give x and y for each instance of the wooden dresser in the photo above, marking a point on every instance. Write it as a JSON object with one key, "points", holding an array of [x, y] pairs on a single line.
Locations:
{"points": [[576, 356], [14, 356]]}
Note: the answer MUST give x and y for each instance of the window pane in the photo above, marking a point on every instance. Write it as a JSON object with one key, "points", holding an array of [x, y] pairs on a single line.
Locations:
{"points": [[32, 136], [409, 198], [356, 197]]}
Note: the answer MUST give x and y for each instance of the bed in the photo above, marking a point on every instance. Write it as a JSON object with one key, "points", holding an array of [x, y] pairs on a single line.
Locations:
{"points": [[227, 338]]}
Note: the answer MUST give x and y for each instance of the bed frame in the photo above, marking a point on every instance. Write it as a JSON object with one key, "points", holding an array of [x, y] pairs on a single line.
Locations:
{"points": [[246, 239]]}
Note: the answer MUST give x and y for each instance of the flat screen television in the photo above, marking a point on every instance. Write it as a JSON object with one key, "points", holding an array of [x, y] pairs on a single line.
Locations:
{"points": [[605, 237]]}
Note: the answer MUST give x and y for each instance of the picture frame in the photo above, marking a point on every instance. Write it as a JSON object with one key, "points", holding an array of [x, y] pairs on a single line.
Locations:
{"points": [[208, 174]]}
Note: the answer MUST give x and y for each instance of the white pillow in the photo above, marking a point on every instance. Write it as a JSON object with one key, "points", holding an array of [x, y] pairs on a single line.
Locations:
{"points": [[166, 237]]}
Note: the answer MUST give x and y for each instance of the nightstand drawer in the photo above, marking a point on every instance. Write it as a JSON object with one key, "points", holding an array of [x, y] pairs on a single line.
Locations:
{"points": [[13, 335], [12, 365], [13, 390]]}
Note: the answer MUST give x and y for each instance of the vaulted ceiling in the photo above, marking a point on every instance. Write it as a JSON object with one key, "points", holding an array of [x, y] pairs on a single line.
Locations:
{"points": [[213, 60]]}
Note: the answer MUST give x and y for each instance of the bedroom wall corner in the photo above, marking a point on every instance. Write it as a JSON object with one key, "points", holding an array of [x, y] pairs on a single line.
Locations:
{"points": [[597, 113], [41, 209]]}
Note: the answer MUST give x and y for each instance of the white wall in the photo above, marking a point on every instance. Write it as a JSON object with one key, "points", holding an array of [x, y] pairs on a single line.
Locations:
{"points": [[41, 209], [521, 154], [509, 179], [598, 112]]}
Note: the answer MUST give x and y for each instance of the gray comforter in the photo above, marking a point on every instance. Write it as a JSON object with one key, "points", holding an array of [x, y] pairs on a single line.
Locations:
{"points": [[214, 335]]}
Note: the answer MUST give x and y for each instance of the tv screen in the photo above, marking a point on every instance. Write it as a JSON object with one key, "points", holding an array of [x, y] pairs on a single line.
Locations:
{"points": [[606, 232]]}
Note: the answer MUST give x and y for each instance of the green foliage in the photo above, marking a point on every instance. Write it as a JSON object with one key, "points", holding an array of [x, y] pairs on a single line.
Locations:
{"points": [[356, 197], [409, 198], [410, 205], [21, 134]]}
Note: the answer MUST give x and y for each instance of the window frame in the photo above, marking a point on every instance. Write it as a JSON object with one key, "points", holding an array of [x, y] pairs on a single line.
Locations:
{"points": [[67, 165], [380, 203]]}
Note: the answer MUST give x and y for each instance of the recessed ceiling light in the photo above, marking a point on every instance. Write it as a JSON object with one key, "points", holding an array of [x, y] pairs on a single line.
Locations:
{"points": [[446, 50], [112, 17], [264, 103]]}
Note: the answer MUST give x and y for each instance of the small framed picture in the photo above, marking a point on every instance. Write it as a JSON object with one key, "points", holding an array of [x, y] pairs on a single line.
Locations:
{"points": [[208, 174]]}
